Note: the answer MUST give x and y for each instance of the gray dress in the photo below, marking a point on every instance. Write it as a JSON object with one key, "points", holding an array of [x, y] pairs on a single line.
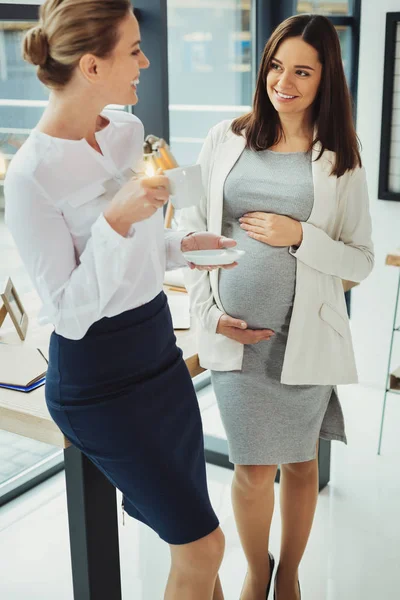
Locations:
{"points": [[268, 422]]}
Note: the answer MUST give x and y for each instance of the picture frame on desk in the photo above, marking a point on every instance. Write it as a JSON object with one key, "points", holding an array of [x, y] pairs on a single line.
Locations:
{"points": [[12, 306]]}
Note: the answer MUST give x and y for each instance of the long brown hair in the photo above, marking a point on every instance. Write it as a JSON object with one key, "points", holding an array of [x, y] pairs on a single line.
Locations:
{"points": [[332, 108], [67, 30]]}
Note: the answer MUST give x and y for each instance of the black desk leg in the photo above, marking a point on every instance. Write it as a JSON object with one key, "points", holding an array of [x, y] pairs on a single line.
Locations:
{"points": [[93, 530]]}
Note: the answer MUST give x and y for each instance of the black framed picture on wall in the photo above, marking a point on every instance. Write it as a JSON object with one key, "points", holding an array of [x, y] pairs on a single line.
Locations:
{"points": [[389, 168]]}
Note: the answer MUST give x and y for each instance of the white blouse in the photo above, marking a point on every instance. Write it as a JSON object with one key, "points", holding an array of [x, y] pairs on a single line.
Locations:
{"points": [[56, 191]]}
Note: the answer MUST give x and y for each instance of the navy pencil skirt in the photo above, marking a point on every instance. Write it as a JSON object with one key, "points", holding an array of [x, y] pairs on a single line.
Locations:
{"points": [[123, 395]]}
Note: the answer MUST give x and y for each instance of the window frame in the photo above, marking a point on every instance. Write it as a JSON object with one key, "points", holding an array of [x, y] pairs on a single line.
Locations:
{"points": [[392, 20], [152, 17], [19, 12]]}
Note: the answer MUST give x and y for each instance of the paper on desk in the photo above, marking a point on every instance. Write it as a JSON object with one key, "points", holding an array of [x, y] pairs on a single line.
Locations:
{"points": [[174, 278], [179, 305], [21, 365]]}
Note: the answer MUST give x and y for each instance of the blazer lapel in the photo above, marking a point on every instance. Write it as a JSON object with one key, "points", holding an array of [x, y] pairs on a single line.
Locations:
{"points": [[324, 187], [226, 155]]}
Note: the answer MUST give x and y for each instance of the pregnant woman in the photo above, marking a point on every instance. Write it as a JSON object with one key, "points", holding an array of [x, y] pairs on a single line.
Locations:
{"points": [[286, 182]]}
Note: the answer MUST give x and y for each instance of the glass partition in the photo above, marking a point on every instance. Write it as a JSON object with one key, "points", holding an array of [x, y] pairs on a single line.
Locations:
{"points": [[210, 48], [22, 96]]}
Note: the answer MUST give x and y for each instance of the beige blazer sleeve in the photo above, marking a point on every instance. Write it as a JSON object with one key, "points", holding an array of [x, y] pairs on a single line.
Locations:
{"points": [[195, 219], [351, 257]]}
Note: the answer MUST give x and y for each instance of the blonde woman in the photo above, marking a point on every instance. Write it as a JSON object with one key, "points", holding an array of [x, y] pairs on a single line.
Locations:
{"points": [[92, 240], [285, 181]]}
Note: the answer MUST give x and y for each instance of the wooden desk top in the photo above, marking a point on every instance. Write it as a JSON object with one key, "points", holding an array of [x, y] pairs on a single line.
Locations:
{"points": [[27, 414], [393, 258]]}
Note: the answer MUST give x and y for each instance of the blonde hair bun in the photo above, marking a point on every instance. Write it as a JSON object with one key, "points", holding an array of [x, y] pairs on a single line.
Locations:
{"points": [[69, 29], [36, 47]]}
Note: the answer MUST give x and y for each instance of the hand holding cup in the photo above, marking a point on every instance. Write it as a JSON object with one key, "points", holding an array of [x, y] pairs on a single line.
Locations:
{"points": [[186, 186], [136, 201]]}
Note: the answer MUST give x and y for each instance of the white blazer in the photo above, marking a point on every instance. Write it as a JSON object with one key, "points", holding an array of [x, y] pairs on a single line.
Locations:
{"points": [[336, 245]]}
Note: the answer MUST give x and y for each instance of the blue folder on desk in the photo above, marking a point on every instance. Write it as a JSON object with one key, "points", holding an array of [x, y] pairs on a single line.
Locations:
{"points": [[20, 388]]}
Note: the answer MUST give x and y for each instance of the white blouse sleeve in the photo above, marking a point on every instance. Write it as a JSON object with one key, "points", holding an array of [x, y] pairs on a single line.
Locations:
{"points": [[73, 294], [173, 240]]}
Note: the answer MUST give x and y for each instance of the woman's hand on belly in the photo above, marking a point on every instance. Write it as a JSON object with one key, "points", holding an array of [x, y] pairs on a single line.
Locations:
{"points": [[271, 229], [236, 329]]}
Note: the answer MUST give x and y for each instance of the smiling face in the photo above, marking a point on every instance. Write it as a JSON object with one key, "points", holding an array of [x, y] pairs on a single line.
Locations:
{"points": [[294, 77], [117, 76]]}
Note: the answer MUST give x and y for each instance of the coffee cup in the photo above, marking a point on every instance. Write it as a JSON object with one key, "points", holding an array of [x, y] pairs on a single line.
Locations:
{"points": [[186, 186]]}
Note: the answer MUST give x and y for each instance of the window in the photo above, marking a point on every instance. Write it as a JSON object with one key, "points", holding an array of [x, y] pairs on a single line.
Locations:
{"points": [[324, 7], [210, 69], [22, 96]]}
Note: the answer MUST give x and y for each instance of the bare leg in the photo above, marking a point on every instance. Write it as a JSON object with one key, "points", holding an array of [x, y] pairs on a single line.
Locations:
{"points": [[253, 505], [299, 494], [218, 593], [194, 569]]}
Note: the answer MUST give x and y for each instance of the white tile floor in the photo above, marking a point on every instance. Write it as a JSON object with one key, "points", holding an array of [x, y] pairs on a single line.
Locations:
{"points": [[354, 550]]}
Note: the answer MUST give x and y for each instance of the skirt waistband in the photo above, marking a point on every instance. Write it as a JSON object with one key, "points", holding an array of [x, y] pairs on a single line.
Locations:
{"points": [[117, 353], [128, 318]]}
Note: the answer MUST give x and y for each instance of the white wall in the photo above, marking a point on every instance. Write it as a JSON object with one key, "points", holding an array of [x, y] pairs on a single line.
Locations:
{"points": [[373, 301]]}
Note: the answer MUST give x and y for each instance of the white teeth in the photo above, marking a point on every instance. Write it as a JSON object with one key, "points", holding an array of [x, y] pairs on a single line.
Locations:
{"points": [[135, 82], [284, 95]]}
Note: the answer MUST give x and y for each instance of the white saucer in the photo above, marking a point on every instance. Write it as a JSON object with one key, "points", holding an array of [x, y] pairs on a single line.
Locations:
{"points": [[225, 256]]}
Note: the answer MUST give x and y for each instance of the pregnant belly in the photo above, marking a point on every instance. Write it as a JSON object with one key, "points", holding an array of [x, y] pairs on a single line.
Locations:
{"points": [[261, 288]]}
